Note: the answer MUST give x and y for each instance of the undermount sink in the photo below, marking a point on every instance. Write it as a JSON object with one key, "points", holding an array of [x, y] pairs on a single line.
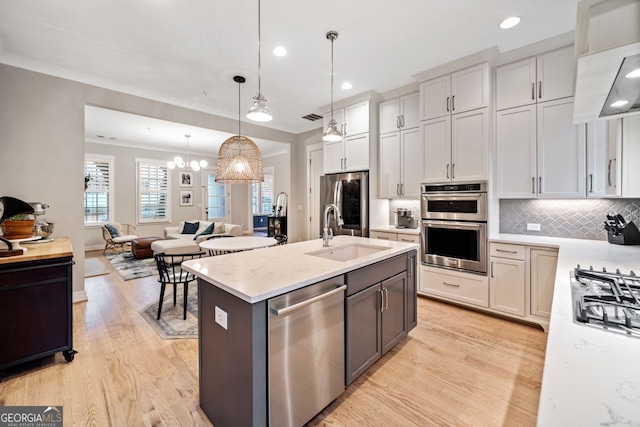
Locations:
{"points": [[347, 252]]}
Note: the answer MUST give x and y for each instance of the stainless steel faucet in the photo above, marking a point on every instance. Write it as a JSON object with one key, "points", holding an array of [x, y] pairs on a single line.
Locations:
{"points": [[327, 233]]}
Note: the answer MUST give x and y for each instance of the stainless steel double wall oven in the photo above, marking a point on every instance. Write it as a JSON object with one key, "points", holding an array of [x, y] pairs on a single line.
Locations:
{"points": [[454, 226]]}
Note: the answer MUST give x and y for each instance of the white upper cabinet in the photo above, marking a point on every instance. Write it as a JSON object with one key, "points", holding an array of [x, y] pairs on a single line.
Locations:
{"points": [[604, 147], [539, 79], [631, 157], [458, 92], [352, 152], [539, 152], [456, 148], [400, 150], [399, 113]]}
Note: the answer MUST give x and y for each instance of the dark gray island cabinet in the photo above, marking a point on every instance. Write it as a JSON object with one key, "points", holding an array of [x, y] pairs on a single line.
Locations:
{"points": [[373, 308]]}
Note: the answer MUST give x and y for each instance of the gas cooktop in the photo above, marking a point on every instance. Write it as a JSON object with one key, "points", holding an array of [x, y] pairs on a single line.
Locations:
{"points": [[607, 300]]}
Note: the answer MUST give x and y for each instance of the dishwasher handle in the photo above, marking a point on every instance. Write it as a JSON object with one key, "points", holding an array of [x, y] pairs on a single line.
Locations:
{"points": [[302, 304]]}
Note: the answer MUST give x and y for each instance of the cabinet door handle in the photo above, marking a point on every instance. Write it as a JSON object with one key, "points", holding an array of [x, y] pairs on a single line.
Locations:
{"points": [[492, 275], [386, 299], [447, 104], [453, 103], [533, 185], [342, 163], [590, 183], [540, 89], [397, 189], [453, 285], [345, 130], [507, 252], [540, 185], [402, 189], [383, 238], [402, 239], [447, 170], [402, 120], [345, 163], [533, 91], [381, 300], [398, 122], [453, 171], [609, 172]]}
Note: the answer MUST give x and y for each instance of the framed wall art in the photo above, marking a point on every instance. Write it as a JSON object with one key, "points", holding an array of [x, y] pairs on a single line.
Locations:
{"points": [[186, 179], [186, 198]]}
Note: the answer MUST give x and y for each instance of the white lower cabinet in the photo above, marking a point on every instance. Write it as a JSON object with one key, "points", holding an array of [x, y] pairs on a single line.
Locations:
{"points": [[519, 284], [542, 276], [450, 284], [507, 278]]}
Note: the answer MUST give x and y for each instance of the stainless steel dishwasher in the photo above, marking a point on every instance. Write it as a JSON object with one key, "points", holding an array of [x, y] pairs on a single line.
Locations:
{"points": [[306, 351]]}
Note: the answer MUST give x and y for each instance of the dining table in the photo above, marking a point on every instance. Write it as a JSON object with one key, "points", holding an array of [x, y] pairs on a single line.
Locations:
{"points": [[236, 244]]}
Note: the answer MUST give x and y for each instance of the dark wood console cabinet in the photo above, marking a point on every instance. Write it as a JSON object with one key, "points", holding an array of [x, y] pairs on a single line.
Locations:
{"points": [[35, 304], [277, 225]]}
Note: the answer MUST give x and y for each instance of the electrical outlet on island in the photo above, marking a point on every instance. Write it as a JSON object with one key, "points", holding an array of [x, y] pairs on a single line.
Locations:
{"points": [[533, 227]]}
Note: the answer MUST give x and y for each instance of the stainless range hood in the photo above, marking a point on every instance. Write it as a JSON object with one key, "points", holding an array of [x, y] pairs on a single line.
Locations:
{"points": [[601, 82], [608, 51]]}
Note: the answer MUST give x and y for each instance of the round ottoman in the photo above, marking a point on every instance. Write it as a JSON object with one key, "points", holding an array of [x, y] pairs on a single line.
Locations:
{"points": [[141, 247]]}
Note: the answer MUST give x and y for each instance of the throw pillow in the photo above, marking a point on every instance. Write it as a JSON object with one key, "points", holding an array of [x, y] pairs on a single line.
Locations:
{"points": [[112, 230], [207, 230], [203, 226], [219, 228], [190, 227]]}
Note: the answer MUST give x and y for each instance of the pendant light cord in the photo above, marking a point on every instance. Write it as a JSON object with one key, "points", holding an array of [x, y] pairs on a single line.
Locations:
{"points": [[259, 62], [332, 78], [239, 83]]}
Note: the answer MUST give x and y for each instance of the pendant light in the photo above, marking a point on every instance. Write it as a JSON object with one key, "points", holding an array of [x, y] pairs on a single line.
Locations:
{"points": [[331, 133], [180, 163], [239, 160], [259, 112]]}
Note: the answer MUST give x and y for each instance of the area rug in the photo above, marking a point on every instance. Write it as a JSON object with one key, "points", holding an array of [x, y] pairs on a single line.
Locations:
{"points": [[94, 267], [131, 268], [171, 325]]}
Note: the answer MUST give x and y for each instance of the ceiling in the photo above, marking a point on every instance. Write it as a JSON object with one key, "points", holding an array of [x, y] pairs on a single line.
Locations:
{"points": [[186, 53]]}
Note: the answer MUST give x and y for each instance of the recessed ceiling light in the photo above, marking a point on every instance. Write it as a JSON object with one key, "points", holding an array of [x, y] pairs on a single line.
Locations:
{"points": [[346, 86], [633, 74], [280, 51], [620, 103], [510, 22]]}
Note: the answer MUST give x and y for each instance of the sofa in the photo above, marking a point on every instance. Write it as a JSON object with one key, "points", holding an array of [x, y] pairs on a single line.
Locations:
{"points": [[185, 238]]}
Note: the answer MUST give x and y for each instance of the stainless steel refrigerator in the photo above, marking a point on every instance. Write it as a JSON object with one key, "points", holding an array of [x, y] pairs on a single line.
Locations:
{"points": [[350, 192]]}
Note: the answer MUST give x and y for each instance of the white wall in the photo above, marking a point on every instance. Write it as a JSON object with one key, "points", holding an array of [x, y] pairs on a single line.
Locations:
{"points": [[42, 143]]}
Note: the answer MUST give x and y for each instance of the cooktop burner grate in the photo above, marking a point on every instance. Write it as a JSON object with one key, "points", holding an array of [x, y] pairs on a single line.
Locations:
{"points": [[607, 300]]}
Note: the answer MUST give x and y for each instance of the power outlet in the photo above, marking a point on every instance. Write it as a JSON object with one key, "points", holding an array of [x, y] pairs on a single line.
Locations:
{"points": [[533, 227], [221, 317]]}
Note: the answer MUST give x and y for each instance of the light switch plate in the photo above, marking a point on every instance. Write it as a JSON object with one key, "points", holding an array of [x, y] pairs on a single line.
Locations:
{"points": [[533, 227], [221, 317]]}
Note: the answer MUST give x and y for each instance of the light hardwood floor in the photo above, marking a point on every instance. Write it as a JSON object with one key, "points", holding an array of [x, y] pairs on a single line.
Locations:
{"points": [[458, 367]]}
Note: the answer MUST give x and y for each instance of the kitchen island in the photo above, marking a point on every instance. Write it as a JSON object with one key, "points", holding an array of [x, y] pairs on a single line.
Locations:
{"points": [[235, 302], [591, 376]]}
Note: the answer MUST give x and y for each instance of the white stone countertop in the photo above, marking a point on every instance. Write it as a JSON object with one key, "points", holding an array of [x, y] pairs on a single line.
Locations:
{"points": [[260, 274], [591, 376], [394, 229]]}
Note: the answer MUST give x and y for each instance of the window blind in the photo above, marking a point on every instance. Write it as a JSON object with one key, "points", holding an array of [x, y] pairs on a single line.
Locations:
{"points": [[153, 191]]}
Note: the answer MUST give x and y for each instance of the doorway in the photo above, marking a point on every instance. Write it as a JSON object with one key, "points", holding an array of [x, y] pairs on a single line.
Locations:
{"points": [[314, 172]]}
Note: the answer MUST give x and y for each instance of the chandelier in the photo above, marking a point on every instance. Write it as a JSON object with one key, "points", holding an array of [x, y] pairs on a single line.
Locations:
{"points": [[239, 160], [259, 112], [180, 163], [332, 134]]}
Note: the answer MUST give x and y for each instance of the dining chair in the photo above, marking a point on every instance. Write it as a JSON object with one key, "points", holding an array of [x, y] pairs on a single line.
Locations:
{"points": [[281, 238], [171, 272]]}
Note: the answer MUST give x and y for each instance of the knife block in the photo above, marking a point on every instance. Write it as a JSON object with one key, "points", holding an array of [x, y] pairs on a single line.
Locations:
{"points": [[628, 236]]}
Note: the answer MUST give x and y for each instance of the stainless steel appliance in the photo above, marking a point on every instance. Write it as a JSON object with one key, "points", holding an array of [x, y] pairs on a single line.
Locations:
{"points": [[607, 300], [350, 193], [454, 226], [306, 352], [405, 218]]}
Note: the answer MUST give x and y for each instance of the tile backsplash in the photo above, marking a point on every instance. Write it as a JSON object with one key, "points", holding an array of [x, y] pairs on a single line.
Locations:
{"points": [[576, 219]]}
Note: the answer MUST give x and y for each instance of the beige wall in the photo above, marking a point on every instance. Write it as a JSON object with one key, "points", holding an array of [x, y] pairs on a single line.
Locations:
{"points": [[42, 143], [298, 197]]}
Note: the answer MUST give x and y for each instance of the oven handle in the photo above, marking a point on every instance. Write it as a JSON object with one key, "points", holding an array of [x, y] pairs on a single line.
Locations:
{"points": [[449, 196], [453, 224]]}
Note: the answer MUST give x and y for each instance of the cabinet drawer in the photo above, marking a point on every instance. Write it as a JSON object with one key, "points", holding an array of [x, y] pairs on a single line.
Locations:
{"points": [[383, 235], [463, 287], [505, 250], [364, 277], [408, 238]]}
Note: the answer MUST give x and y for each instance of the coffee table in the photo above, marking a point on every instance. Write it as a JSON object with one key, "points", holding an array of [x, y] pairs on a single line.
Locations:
{"points": [[236, 244]]}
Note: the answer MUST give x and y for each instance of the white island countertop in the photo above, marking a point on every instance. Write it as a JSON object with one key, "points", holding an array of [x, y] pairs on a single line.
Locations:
{"points": [[591, 376], [260, 274]]}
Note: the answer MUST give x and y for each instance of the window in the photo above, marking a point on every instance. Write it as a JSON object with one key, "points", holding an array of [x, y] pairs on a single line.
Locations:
{"points": [[98, 195], [216, 197], [153, 191], [262, 199]]}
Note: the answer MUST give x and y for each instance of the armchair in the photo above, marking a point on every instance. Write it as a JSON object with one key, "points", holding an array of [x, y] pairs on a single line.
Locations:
{"points": [[118, 235]]}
